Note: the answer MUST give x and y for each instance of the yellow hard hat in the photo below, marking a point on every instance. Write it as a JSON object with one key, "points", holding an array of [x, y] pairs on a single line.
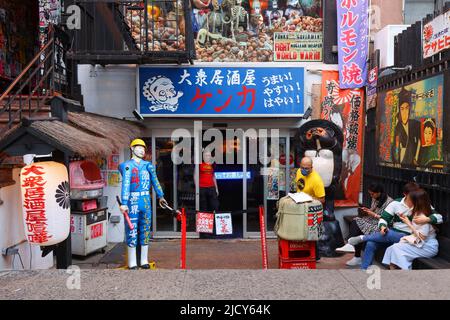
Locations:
{"points": [[137, 142]]}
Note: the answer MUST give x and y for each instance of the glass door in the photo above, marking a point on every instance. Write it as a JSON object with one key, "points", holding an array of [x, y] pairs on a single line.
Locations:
{"points": [[179, 190], [267, 179]]}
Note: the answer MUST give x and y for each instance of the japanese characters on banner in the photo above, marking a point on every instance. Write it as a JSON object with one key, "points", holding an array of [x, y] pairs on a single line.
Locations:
{"points": [[298, 46], [436, 35], [213, 91], [76, 224], [96, 230], [205, 222], [372, 80], [45, 202], [224, 224], [353, 45], [345, 109], [372, 88]]}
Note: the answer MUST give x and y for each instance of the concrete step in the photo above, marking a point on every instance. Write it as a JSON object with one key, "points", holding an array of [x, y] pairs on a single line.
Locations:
{"points": [[40, 113], [31, 105], [43, 108]]}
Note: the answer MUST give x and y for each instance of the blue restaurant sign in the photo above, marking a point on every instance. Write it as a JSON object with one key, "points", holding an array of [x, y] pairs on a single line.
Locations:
{"points": [[216, 92]]}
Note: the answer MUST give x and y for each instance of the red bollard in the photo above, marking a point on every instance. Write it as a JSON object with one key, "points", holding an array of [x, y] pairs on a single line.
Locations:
{"points": [[183, 238], [262, 226]]}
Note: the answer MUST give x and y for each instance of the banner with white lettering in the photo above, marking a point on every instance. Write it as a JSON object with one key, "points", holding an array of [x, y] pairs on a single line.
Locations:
{"points": [[353, 45], [298, 46]]}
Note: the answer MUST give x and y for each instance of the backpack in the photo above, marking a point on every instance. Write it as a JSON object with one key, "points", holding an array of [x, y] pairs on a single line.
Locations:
{"points": [[299, 221]]}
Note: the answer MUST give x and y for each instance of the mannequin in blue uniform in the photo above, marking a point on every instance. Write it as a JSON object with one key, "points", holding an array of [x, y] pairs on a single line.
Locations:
{"points": [[138, 176]]}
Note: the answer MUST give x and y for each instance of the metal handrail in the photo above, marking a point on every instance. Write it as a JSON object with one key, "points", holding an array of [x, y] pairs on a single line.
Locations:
{"points": [[24, 71], [25, 83], [37, 82]]}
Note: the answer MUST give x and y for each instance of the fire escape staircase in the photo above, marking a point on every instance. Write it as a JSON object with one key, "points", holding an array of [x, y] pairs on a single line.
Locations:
{"points": [[29, 95]]}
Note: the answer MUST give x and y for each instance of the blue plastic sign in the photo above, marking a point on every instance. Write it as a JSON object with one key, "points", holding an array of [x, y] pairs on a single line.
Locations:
{"points": [[232, 175], [216, 92]]}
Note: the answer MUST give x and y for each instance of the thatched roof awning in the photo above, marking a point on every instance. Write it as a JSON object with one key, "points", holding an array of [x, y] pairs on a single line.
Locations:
{"points": [[85, 134], [118, 132], [71, 138]]}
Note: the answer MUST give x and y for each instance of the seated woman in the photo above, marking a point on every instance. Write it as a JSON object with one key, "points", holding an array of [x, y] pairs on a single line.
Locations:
{"points": [[368, 223], [422, 242]]}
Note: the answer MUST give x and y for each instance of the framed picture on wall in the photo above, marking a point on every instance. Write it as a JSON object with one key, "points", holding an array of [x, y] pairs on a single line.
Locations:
{"points": [[411, 124]]}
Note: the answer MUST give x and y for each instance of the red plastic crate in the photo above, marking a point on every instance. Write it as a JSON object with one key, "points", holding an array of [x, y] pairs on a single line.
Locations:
{"points": [[296, 264], [303, 250]]}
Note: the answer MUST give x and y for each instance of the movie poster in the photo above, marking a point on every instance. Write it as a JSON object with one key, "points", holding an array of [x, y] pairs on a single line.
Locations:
{"points": [[113, 178], [410, 126], [345, 109], [113, 161], [273, 190], [293, 177]]}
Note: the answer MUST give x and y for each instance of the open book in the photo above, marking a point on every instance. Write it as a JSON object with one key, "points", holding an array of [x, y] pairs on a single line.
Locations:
{"points": [[300, 197]]}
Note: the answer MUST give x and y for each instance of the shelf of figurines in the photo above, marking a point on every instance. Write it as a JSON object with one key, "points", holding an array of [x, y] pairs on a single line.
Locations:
{"points": [[233, 31]]}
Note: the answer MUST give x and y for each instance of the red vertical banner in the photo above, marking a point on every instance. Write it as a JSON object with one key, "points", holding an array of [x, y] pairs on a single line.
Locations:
{"points": [[183, 238], [345, 108], [262, 226]]}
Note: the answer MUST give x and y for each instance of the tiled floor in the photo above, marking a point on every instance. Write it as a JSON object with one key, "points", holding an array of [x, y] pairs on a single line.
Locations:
{"points": [[203, 254]]}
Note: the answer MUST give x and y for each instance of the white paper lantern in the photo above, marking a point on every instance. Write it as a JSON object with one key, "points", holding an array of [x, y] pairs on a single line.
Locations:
{"points": [[45, 202]]}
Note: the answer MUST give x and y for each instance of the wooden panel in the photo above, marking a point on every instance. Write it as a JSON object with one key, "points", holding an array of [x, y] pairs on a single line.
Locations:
{"points": [[315, 101]]}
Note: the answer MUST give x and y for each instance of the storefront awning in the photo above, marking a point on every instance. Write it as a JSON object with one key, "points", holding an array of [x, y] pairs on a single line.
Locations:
{"points": [[85, 135]]}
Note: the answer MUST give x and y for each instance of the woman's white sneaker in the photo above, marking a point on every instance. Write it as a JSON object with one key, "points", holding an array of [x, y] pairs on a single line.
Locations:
{"points": [[353, 262], [347, 248], [355, 240]]}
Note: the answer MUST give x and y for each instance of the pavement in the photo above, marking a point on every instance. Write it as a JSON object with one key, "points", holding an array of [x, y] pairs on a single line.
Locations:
{"points": [[219, 269], [224, 284]]}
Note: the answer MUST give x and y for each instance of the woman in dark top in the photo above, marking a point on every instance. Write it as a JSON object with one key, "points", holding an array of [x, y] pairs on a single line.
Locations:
{"points": [[368, 223]]}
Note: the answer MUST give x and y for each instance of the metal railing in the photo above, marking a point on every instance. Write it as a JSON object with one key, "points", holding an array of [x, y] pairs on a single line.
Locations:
{"points": [[45, 75], [133, 31]]}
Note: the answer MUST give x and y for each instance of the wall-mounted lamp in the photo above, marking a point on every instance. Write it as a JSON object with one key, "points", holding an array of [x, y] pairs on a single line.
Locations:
{"points": [[307, 113], [137, 115], [394, 70]]}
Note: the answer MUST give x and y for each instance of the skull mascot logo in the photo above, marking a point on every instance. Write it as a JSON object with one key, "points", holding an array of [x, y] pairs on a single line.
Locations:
{"points": [[161, 93]]}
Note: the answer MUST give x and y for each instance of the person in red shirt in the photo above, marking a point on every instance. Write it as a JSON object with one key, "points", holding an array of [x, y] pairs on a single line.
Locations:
{"points": [[209, 191]]}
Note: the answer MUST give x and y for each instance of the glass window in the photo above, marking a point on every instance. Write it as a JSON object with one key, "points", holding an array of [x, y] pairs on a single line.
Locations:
{"points": [[255, 185], [250, 30], [186, 191], [164, 170], [416, 10], [268, 180]]}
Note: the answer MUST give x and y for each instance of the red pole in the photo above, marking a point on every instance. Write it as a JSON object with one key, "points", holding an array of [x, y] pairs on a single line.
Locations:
{"points": [[183, 238], [262, 226]]}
